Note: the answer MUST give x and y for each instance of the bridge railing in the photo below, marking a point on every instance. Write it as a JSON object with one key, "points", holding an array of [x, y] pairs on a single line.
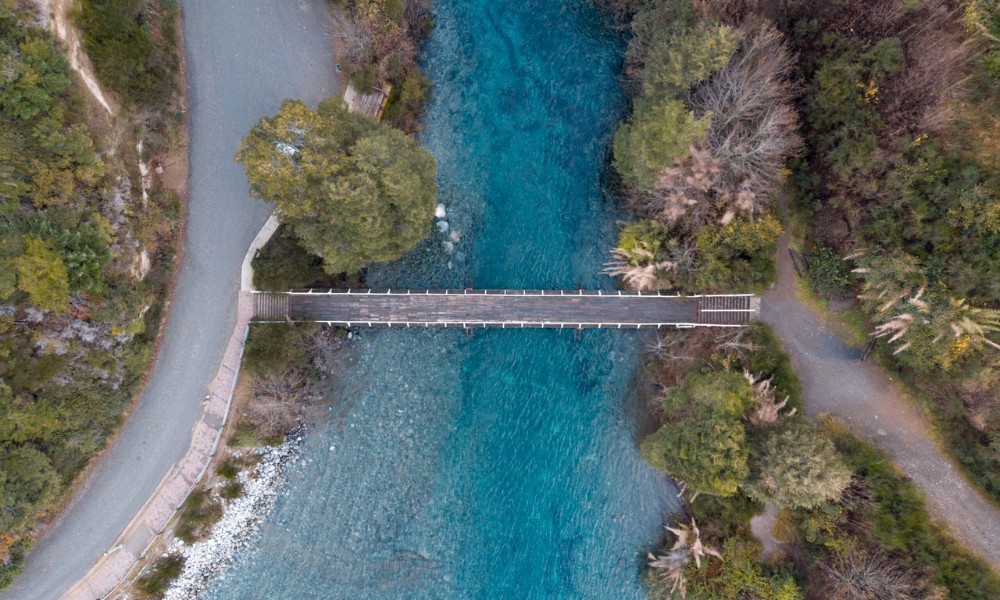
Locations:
{"points": [[487, 292]]}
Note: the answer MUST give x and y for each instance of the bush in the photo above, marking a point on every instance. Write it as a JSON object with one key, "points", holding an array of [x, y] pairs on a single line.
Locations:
{"points": [[228, 469], [275, 348], [828, 273], [900, 522], [768, 360], [798, 468], [741, 575], [157, 580], [198, 515], [739, 256], [231, 490], [282, 264], [134, 51]]}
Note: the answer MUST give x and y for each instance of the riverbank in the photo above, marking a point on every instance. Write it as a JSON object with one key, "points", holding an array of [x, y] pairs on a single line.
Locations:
{"points": [[240, 523]]}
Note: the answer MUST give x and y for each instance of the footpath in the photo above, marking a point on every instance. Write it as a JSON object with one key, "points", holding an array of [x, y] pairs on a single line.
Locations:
{"points": [[152, 521], [863, 396]]}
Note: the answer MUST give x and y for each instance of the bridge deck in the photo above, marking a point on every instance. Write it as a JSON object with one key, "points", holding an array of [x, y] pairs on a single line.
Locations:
{"points": [[505, 308]]}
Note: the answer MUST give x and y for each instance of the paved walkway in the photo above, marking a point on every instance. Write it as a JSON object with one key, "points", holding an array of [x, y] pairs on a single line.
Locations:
{"points": [[149, 523], [243, 57], [861, 395]]}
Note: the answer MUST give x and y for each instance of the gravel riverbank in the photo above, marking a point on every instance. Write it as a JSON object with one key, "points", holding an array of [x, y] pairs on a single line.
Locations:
{"points": [[240, 522]]}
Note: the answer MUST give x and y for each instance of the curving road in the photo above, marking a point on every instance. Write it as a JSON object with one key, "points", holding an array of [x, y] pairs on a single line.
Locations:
{"points": [[243, 58], [861, 395]]}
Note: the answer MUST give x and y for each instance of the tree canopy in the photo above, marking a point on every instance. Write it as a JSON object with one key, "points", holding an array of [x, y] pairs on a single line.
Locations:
{"points": [[799, 468], [353, 190], [706, 446]]}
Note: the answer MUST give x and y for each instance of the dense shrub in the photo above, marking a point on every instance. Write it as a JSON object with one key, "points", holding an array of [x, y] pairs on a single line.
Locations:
{"points": [[133, 47], [157, 580], [827, 272]]}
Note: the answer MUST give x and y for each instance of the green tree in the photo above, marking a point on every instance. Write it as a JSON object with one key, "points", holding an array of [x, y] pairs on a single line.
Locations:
{"points": [[705, 444], [28, 484], [708, 453], [42, 274], [353, 190], [660, 132], [798, 468], [687, 56], [738, 256], [727, 394], [32, 78]]}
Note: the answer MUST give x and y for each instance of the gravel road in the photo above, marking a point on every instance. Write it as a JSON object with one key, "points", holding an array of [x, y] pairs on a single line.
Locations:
{"points": [[243, 58], [861, 395]]}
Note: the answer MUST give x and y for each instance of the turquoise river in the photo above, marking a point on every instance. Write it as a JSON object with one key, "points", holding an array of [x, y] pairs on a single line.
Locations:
{"points": [[502, 464]]}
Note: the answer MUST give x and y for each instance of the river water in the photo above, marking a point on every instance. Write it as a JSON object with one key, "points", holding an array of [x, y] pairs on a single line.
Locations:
{"points": [[502, 464]]}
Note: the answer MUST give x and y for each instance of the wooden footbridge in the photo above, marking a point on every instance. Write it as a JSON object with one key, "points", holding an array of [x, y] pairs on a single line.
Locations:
{"points": [[506, 308]]}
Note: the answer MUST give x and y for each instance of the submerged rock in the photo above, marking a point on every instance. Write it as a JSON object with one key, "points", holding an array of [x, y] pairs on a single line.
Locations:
{"points": [[442, 226]]}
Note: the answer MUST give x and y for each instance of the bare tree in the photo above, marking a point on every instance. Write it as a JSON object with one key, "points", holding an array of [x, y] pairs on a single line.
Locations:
{"points": [[754, 124], [280, 403], [873, 576], [356, 38]]}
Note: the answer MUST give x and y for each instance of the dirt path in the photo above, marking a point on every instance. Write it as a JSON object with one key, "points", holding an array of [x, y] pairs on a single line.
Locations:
{"points": [[861, 395]]}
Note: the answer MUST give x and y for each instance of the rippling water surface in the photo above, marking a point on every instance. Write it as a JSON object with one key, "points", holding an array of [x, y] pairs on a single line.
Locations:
{"points": [[500, 465]]}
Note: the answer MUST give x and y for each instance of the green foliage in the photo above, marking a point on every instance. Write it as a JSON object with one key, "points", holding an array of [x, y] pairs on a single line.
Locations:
{"points": [[769, 361], [246, 435], [798, 468], [741, 575], [42, 274], [157, 580], [739, 255], [659, 133], [198, 515], [282, 264], [35, 75], [231, 490], [132, 47], [707, 447], [725, 394], [354, 191], [12, 567], [900, 523], [228, 469], [685, 57], [273, 348], [709, 454], [67, 378], [828, 273], [637, 237], [28, 484]]}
